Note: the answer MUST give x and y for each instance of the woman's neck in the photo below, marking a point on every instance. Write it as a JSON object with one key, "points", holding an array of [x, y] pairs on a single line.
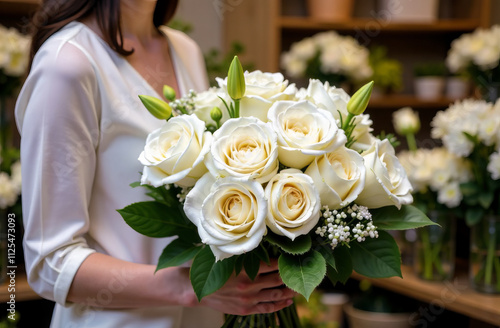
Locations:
{"points": [[137, 20]]}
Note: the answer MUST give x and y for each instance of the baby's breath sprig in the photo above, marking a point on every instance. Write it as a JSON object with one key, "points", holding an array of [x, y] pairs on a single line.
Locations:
{"points": [[351, 223], [183, 191], [184, 105]]}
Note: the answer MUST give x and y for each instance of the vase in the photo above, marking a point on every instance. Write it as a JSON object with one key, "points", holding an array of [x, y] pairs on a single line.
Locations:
{"points": [[484, 262], [330, 10], [491, 92], [435, 248]]}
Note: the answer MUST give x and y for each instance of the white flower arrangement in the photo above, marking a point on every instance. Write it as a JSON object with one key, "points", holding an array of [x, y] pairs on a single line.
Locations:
{"points": [[328, 56], [14, 52], [438, 171], [10, 186], [480, 48]]}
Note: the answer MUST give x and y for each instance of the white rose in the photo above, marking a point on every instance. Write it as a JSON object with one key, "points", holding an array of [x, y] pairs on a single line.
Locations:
{"points": [[386, 181], [339, 176], [230, 214], [205, 101], [175, 152], [326, 97], [244, 147], [304, 132], [293, 204], [450, 195], [262, 90], [363, 138]]}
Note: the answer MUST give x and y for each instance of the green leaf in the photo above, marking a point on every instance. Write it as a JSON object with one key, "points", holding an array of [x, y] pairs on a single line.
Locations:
{"points": [[208, 276], [327, 252], [135, 184], [376, 257], [238, 264], [302, 273], [300, 245], [156, 220], [262, 254], [343, 263], [408, 217], [177, 253], [251, 265], [485, 199], [474, 215]]}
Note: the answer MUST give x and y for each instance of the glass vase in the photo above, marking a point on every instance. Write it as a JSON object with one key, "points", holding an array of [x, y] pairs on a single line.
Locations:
{"points": [[484, 265], [434, 248]]}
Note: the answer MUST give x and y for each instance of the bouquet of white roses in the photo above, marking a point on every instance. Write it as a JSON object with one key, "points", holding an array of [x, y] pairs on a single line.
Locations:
{"points": [[286, 173], [478, 54], [328, 56]]}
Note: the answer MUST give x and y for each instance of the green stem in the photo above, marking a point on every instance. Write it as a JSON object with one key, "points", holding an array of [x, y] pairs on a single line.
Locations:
{"points": [[489, 258], [427, 254], [412, 143], [436, 260], [237, 108]]}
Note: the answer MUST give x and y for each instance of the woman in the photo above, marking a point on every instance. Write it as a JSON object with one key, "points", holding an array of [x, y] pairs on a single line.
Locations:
{"points": [[83, 127]]}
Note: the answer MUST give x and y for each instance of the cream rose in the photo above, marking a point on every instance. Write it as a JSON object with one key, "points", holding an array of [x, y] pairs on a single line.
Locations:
{"points": [[262, 90], [244, 147], [326, 97], [206, 100], [386, 181], [230, 214], [293, 204], [304, 132], [339, 177], [175, 152]]}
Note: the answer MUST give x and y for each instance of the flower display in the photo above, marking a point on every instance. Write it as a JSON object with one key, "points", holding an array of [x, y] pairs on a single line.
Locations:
{"points": [[469, 129], [328, 56], [477, 53], [283, 178], [14, 52]]}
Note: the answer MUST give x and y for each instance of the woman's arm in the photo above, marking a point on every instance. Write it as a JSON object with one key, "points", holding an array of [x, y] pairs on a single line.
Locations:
{"points": [[104, 281]]}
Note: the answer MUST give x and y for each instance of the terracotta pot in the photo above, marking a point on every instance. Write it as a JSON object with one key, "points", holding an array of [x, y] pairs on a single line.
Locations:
{"points": [[457, 88], [330, 10], [364, 319], [408, 10]]}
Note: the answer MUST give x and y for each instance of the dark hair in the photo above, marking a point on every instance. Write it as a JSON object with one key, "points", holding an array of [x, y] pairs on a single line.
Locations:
{"points": [[55, 14]]}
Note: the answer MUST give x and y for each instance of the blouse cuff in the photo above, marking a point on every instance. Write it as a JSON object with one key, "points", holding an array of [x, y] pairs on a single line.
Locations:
{"points": [[68, 272]]}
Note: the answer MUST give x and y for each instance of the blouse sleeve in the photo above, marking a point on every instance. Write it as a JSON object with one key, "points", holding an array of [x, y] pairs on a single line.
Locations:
{"points": [[57, 114]]}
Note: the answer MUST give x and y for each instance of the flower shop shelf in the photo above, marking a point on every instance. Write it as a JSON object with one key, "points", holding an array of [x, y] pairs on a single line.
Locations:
{"points": [[23, 291], [402, 100], [449, 25], [455, 295]]}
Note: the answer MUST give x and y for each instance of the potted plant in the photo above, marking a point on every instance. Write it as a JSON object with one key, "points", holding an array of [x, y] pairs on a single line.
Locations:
{"points": [[429, 80], [409, 10], [387, 72], [333, 11], [457, 86]]}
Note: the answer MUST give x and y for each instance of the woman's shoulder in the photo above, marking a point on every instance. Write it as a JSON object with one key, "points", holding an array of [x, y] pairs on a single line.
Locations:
{"points": [[70, 51]]}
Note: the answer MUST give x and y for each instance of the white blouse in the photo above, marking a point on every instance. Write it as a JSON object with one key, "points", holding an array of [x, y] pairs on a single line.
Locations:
{"points": [[82, 129]]}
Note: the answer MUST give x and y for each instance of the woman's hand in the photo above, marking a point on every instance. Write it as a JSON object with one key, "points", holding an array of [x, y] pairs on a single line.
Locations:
{"points": [[242, 296]]}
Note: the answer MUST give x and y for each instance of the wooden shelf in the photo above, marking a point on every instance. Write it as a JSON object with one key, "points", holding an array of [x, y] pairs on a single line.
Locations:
{"points": [[307, 23], [401, 100], [23, 290], [454, 295]]}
